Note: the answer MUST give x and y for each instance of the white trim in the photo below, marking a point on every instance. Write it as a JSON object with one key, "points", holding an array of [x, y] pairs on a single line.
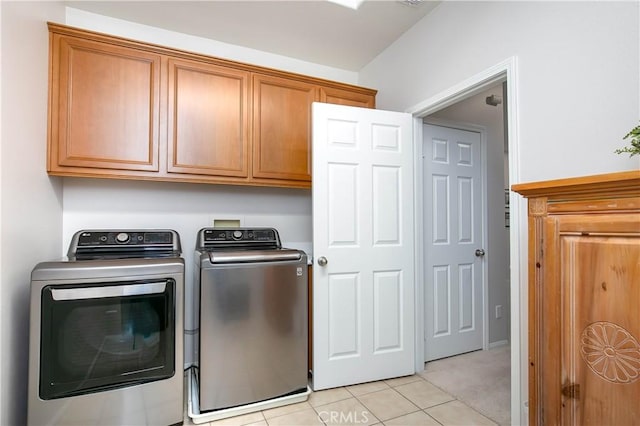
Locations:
{"points": [[498, 344], [482, 130], [2, 321], [505, 70], [419, 245], [464, 89]]}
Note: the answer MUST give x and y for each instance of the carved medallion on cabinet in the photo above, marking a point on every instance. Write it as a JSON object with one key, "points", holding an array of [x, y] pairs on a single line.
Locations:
{"points": [[611, 352]]}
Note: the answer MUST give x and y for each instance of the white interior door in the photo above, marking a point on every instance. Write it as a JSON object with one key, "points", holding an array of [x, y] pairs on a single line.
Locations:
{"points": [[453, 270], [363, 309]]}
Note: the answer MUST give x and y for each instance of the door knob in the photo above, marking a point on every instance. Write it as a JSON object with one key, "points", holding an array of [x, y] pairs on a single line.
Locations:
{"points": [[322, 261], [479, 252]]}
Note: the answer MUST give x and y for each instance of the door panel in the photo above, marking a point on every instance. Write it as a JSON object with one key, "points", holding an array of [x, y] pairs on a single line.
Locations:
{"points": [[107, 107], [441, 297], [363, 225], [332, 95], [386, 211], [281, 128], [344, 324], [600, 351], [387, 294], [208, 119], [341, 206], [453, 287]]}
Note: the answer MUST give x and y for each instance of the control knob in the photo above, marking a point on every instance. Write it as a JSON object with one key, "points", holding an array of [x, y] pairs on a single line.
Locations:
{"points": [[122, 237], [237, 235]]}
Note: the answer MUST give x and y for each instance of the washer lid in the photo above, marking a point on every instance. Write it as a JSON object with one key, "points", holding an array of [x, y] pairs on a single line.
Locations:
{"points": [[253, 256]]}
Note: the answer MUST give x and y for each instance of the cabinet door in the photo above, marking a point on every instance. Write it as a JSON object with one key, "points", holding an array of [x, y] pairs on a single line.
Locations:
{"points": [[332, 95], [282, 128], [207, 119], [104, 108], [597, 374]]}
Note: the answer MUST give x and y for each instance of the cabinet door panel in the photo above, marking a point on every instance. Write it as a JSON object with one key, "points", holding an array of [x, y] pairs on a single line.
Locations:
{"points": [[208, 119], [599, 350], [282, 128], [584, 294], [332, 95], [107, 106]]}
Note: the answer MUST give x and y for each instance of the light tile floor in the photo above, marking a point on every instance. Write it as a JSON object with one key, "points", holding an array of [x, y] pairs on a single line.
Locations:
{"points": [[404, 401]]}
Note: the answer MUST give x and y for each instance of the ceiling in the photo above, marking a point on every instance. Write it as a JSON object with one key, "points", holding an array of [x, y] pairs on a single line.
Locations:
{"points": [[316, 31]]}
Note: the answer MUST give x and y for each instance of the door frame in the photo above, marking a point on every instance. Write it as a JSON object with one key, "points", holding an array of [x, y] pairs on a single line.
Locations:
{"points": [[484, 208], [500, 72]]}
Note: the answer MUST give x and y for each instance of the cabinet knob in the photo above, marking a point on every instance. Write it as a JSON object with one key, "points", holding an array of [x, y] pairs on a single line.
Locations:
{"points": [[322, 261]]}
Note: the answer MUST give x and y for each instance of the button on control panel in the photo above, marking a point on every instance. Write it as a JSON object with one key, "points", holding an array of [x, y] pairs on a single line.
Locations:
{"points": [[122, 237]]}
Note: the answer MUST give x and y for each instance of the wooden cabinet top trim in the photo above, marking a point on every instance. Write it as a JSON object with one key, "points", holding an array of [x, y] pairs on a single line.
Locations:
{"points": [[121, 41], [583, 187]]}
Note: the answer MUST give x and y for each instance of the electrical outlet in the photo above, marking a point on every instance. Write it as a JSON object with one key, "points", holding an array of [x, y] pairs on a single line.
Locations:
{"points": [[498, 311]]}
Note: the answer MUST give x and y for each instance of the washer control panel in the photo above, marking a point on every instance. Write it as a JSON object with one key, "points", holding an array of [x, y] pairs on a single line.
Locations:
{"points": [[238, 237]]}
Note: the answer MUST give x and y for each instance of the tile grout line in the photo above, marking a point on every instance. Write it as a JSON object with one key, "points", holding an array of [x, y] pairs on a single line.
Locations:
{"points": [[455, 398], [357, 398], [419, 409]]}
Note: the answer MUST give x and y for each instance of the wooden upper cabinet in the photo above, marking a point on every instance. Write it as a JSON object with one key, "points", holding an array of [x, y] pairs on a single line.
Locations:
{"points": [[208, 119], [282, 128], [584, 294], [125, 109], [104, 106], [332, 95]]}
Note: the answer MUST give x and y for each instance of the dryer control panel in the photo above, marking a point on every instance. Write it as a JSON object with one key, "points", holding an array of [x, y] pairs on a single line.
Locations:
{"points": [[121, 243]]}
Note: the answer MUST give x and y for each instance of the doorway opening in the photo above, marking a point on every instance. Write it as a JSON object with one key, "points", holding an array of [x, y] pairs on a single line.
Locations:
{"points": [[513, 314], [466, 240]]}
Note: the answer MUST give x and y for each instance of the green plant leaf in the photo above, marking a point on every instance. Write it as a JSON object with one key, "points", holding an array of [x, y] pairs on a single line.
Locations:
{"points": [[634, 143]]}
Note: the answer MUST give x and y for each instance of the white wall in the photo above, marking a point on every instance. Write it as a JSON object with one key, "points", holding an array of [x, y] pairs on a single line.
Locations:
{"points": [[94, 22], [31, 202], [475, 111], [578, 75]]}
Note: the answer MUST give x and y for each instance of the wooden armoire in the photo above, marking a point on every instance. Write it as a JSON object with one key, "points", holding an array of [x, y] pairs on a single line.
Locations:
{"points": [[584, 300]]}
